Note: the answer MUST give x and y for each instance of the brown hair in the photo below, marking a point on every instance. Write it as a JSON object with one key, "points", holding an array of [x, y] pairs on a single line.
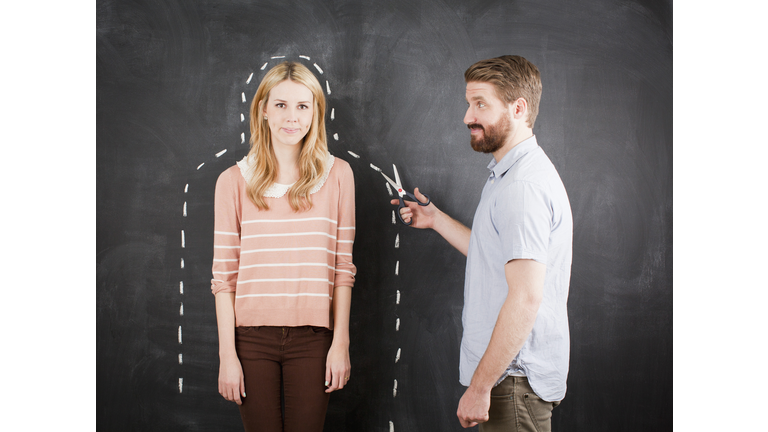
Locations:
{"points": [[314, 150], [513, 77]]}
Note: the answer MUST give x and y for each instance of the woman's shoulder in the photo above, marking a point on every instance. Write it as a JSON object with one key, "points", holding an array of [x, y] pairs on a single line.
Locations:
{"points": [[232, 175], [340, 168]]}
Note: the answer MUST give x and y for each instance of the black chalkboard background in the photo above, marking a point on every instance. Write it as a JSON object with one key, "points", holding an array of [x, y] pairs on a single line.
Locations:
{"points": [[170, 80]]}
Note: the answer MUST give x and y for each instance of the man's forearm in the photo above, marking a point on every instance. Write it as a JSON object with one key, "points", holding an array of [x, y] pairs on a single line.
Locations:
{"points": [[456, 233]]}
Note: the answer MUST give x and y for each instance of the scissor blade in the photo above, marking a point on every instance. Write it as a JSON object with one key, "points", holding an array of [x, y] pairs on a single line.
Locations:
{"points": [[397, 176], [392, 182]]}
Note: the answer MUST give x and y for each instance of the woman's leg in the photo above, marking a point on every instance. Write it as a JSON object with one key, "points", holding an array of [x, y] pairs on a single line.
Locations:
{"points": [[304, 360], [259, 351]]}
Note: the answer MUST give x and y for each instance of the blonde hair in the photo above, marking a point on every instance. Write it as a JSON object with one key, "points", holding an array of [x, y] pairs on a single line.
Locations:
{"points": [[314, 149], [513, 77]]}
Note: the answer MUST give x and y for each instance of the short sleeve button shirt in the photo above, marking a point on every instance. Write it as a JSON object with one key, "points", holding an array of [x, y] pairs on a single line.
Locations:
{"points": [[524, 213]]}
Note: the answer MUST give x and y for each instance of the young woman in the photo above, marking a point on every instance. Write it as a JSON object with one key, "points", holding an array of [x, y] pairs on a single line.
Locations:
{"points": [[282, 262]]}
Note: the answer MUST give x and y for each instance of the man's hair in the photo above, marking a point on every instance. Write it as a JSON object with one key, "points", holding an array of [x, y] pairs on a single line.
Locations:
{"points": [[513, 77]]}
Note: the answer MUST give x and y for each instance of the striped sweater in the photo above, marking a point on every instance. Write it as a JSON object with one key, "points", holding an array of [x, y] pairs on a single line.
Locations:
{"points": [[283, 265]]}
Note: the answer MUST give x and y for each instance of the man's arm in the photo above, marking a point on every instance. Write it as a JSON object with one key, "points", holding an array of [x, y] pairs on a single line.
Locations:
{"points": [[525, 279], [456, 233]]}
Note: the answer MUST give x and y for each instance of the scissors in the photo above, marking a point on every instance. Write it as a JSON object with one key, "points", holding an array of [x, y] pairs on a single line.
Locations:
{"points": [[403, 195]]}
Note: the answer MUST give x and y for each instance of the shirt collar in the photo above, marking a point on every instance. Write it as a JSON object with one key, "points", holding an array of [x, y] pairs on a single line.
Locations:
{"points": [[509, 159]]}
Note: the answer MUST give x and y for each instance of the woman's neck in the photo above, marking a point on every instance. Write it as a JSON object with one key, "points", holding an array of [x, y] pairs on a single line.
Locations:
{"points": [[288, 171]]}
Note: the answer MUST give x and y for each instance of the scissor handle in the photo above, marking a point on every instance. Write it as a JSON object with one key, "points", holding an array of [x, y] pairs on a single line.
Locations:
{"points": [[401, 205], [410, 197]]}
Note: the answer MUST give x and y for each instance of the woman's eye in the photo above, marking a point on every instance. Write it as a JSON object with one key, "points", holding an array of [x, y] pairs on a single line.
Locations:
{"points": [[280, 105]]}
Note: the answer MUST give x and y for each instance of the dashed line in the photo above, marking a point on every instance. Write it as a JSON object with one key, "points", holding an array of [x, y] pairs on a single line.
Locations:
{"points": [[397, 242], [182, 263], [265, 66], [397, 325], [304, 57], [221, 153], [179, 335], [397, 301], [394, 390], [248, 81], [277, 57], [183, 242], [333, 113], [355, 155], [319, 70], [184, 211], [397, 356], [327, 87]]}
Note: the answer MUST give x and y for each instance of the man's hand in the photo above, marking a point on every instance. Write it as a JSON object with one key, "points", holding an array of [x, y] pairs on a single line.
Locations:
{"points": [[473, 407], [423, 216], [430, 216]]}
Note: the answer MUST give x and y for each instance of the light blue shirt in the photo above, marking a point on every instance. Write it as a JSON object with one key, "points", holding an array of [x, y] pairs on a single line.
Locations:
{"points": [[523, 213]]}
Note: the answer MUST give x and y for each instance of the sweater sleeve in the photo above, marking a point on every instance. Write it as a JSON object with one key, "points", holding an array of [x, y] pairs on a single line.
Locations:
{"points": [[226, 234], [345, 237]]}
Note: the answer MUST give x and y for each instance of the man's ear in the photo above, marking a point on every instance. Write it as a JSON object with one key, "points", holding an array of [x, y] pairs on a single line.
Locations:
{"points": [[519, 109]]}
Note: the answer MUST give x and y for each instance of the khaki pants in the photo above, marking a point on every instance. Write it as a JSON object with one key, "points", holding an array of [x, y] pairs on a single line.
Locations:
{"points": [[516, 408]]}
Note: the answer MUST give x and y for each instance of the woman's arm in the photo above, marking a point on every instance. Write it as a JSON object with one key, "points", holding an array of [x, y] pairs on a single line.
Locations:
{"points": [[337, 366], [231, 382], [226, 256]]}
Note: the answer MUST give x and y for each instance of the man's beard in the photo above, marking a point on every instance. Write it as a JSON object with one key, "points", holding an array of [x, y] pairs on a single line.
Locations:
{"points": [[494, 136]]}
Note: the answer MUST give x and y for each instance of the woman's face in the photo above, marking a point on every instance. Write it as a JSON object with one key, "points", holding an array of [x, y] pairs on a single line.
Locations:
{"points": [[289, 112]]}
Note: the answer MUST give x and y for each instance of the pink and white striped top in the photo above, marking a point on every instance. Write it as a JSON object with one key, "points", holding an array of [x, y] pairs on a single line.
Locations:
{"points": [[283, 265]]}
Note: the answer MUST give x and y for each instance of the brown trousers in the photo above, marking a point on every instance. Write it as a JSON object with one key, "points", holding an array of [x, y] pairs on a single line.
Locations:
{"points": [[516, 408], [289, 357]]}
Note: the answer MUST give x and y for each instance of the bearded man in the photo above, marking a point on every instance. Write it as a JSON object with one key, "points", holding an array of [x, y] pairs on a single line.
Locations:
{"points": [[515, 344]]}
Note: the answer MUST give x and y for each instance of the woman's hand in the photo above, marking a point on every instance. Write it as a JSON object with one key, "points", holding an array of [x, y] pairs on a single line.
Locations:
{"points": [[337, 367], [231, 381]]}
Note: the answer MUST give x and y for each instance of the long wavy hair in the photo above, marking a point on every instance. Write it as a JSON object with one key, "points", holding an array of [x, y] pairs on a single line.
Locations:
{"points": [[314, 148]]}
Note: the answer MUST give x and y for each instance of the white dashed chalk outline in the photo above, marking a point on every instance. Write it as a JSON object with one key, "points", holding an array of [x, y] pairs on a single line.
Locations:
{"points": [[244, 99]]}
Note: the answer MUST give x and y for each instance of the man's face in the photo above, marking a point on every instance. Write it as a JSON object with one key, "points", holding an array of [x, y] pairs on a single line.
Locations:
{"points": [[487, 118]]}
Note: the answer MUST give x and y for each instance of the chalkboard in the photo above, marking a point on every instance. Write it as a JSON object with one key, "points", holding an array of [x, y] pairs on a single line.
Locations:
{"points": [[174, 77]]}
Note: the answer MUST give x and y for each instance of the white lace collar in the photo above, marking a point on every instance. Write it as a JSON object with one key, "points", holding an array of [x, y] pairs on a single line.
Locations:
{"points": [[277, 190]]}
